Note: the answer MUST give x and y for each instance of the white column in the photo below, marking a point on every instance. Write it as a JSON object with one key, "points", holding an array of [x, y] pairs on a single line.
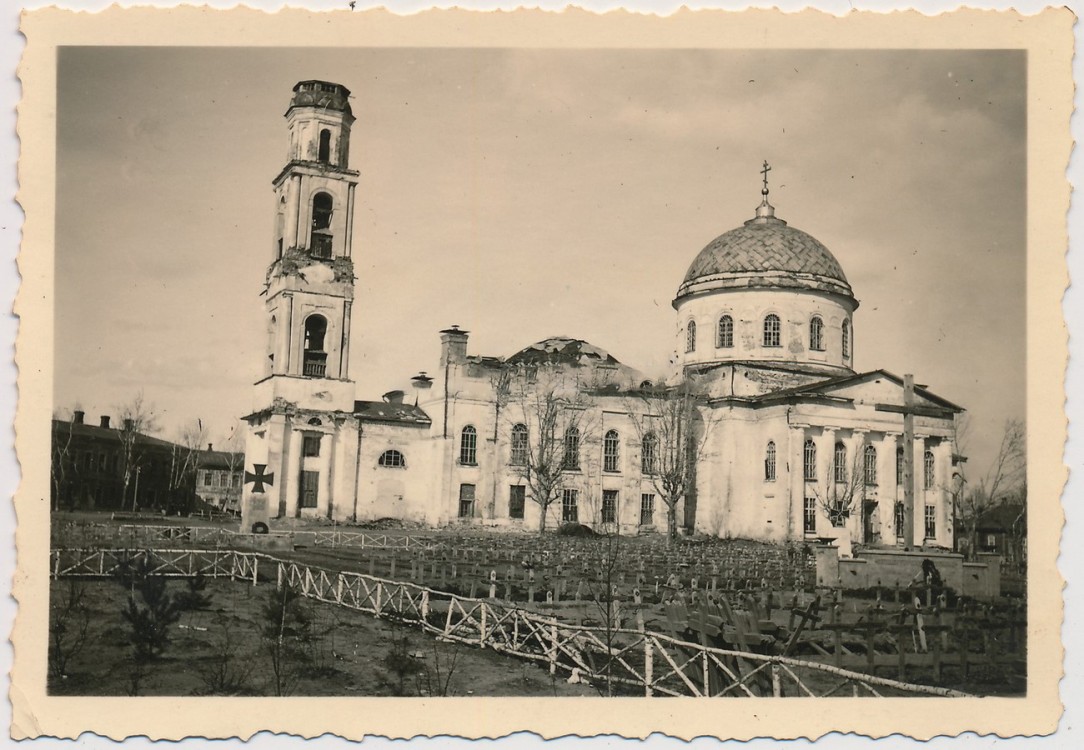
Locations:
{"points": [[291, 464], [920, 489], [856, 476], [344, 353], [323, 491], [943, 458], [888, 486], [826, 447], [796, 482]]}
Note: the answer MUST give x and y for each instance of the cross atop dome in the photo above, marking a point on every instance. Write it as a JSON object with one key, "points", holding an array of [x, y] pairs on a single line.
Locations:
{"points": [[765, 211]]}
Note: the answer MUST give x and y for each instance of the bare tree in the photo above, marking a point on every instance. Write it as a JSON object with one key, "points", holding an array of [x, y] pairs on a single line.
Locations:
{"points": [[843, 490], [184, 455], [1004, 480], [234, 445], [137, 418], [557, 415], [673, 435], [63, 467]]}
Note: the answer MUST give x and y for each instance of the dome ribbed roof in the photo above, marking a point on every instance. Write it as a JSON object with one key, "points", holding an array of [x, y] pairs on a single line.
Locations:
{"points": [[760, 246]]}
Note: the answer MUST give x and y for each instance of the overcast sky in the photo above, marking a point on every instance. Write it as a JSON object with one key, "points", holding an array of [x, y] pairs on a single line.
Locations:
{"points": [[526, 194]]}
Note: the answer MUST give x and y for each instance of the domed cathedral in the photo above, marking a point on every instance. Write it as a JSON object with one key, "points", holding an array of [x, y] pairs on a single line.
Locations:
{"points": [[790, 441], [797, 443]]}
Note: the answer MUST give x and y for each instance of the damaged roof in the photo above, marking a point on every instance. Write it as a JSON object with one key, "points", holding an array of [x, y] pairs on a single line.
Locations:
{"points": [[562, 350], [384, 411]]}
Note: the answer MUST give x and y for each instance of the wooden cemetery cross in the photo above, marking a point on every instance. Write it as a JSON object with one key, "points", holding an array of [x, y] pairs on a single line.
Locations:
{"points": [[508, 583], [391, 575], [530, 586], [637, 599], [549, 596], [492, 584]]}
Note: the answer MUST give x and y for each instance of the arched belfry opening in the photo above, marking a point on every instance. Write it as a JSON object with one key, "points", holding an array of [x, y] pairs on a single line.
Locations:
{"points": [[324, 152], [315, 358], [321, 238]]}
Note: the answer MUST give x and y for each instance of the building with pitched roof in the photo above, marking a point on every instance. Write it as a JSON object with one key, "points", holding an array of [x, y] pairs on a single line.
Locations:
{"points": [[787, 441]]}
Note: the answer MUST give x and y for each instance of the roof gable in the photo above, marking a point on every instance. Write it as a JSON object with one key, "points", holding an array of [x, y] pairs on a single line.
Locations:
{"points": [[878, 387]]}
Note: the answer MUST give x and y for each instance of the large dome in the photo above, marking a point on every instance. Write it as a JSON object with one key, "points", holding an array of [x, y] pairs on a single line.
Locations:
{"points": [[765, 247], [765, 253]]}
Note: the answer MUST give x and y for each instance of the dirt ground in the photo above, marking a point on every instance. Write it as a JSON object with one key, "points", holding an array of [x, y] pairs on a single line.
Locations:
{"points": [[351, 654]]}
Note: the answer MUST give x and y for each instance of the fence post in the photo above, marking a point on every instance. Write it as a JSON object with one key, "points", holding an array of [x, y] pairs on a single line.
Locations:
{"points": [[280, 573], [482, 627], [777, 684], [425, 605], [255, 569]]}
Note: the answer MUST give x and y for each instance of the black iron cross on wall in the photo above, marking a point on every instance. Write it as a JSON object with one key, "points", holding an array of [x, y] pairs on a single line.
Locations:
{"points": [[259, 478]]}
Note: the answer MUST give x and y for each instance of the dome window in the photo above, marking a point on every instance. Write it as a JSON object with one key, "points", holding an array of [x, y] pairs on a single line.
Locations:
{"points": [[816, 334], [690, 337], [772, 330], [846, 338], [725, 339]]}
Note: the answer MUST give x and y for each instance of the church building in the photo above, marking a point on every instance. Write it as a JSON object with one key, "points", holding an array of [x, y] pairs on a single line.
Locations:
{"points": [[789, 442]]}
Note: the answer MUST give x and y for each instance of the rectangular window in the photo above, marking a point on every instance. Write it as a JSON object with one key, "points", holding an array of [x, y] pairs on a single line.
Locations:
{"points": [[235, 481], [809, 516], [310, 482], [310, 446], [899, 467], [207, 476], [899, 520], [101, 462], [647, 509], [517, 500], [609, 506], [520, 437], [931, 521], [466, 501], [569, 512]]}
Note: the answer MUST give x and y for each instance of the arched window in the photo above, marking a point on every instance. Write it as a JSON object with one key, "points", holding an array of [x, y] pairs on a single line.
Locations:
{"points": [[809, 461], [519, 445], [771, 330], [927, 470], [816, 334], [839, 463], [649, 453], [869, 464], [690, 337], [468, 446], [315, 359], [611, 451], [899, 466], [846, 338], [571, 458], [725, 338], [392, 459], [769, 462], [325, 146], [320, 239]]}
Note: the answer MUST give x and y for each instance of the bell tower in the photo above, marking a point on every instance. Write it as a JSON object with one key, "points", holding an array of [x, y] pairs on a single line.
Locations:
{"points": [[310, 282], [305, 396]]}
